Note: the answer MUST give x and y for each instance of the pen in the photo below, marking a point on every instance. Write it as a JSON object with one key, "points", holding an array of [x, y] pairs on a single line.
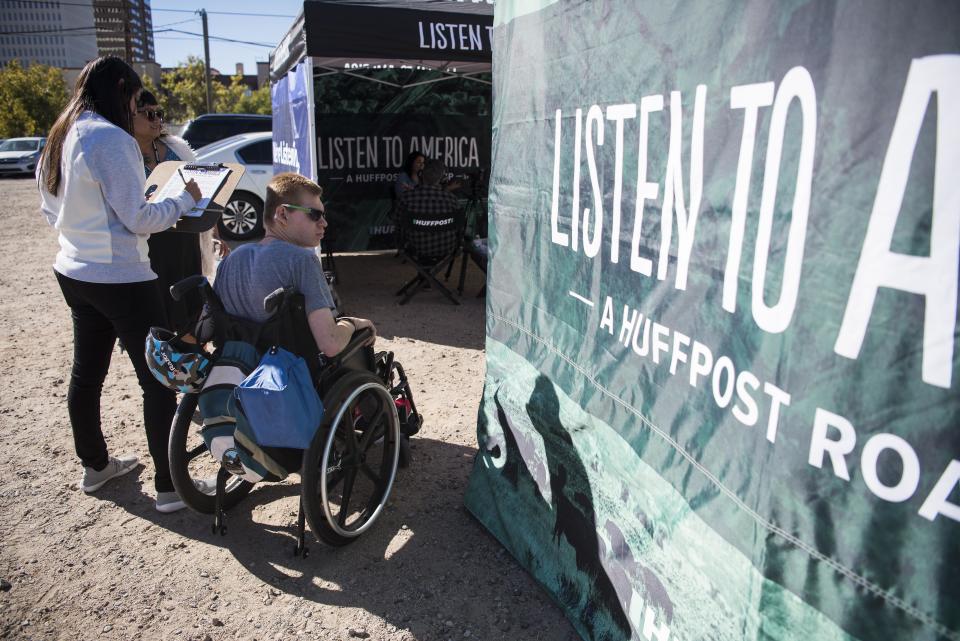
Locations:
{"points": [[181, 176]]}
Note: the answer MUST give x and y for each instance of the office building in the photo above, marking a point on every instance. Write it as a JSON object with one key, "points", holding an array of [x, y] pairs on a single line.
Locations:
{"points": [[124, 29], [48, 32], [70, 34]]}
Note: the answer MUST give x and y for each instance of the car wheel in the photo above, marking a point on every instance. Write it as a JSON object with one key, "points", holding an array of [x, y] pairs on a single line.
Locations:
{"points": [[242, 218]]}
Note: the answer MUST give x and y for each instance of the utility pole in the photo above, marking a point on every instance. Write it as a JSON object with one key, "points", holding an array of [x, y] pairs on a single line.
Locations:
{"points": [[206, 59]]}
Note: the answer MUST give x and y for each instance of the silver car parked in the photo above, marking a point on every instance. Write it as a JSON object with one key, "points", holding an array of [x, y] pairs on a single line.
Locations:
{"points": [[20, 155]]}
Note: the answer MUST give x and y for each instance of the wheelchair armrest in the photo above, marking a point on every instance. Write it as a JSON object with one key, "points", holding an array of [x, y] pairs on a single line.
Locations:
{"points": [[356, 342]]}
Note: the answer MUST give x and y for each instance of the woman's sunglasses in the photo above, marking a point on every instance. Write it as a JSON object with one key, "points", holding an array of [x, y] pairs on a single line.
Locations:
{"points": [[152, 114], [316, 215]]}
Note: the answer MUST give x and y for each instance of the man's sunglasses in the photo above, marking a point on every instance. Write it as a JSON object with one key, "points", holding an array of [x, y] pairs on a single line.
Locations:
{"points": [[316, 215], [152, 114]]}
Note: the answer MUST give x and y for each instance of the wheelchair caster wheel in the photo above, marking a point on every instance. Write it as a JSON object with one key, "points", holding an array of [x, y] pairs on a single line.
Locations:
{"points": [[301, 551], [223, 530]]}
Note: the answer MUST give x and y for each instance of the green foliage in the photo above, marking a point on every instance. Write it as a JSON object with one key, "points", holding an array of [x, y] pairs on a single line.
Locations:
{"points": [[149, 86], [258, 102], [184, 92], [31, 97], [236, 97]]}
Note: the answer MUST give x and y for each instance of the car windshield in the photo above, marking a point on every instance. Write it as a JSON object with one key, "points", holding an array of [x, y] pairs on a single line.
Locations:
{"points": [[19, 145]]}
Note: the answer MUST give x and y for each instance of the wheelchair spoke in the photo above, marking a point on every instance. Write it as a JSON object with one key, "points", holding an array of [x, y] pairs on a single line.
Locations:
{"points": [[345, 497], [370, 474], [350, 439], [372, 429], [197, 451]]}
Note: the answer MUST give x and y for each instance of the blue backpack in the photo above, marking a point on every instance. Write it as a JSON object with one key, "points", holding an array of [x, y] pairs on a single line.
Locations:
{"points": [[226, 424], [279, 402]]}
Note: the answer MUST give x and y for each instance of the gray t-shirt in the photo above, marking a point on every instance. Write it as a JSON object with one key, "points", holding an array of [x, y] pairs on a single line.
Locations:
{"points": [[253, 271]]}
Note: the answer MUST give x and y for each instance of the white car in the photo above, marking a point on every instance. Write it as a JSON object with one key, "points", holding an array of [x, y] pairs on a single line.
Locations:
{"points": [[243, 216], [20, 155]]}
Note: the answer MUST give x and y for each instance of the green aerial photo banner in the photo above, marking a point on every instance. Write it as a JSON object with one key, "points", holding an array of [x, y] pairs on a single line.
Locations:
{"points": [[721, 398]]}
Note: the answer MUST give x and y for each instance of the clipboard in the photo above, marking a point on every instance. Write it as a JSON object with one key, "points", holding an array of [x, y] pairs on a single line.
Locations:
{"points": [[167, 171]]}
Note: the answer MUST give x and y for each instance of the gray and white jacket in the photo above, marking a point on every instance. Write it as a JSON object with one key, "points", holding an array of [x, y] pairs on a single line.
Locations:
{"points": [[100, 210]]}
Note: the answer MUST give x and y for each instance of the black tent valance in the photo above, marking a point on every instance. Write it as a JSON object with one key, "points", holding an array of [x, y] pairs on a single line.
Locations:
{"points": [[439, 34]]}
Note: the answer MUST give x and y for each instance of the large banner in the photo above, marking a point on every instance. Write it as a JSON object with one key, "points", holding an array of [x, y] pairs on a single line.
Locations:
{"points": [[360, 155], [721, 397], [367, 126], [291, 99]]}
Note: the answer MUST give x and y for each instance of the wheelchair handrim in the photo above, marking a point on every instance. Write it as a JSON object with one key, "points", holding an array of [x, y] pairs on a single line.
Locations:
{"points": [[324, 462]]}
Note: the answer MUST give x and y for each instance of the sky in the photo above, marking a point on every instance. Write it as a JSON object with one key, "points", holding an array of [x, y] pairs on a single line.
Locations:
{"points": [[173, 48]]}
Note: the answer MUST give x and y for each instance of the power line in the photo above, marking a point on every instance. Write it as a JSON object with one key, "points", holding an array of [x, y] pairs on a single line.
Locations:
{"points": [[222, 39], [89, 31], [220, 13], [170, 24], [230, 13], [39, 31]]}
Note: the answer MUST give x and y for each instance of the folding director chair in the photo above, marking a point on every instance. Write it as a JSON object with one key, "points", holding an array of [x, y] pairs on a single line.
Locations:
{"points": [[431, 244]]}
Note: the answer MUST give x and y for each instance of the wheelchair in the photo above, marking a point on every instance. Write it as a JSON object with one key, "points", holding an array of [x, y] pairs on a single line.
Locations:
{"points": [[348, 471]]}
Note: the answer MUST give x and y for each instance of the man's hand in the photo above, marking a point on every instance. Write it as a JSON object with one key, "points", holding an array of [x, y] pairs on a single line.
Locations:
{"points": [[220, 248], [363, 323]]}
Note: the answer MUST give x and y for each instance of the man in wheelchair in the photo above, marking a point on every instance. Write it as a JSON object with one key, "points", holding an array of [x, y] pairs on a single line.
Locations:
{"points": [[348, 469], [294, 223]]}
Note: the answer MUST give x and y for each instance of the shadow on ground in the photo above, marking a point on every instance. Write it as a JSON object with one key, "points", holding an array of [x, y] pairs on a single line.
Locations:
{"points": [[368, 282], [400, 570]]}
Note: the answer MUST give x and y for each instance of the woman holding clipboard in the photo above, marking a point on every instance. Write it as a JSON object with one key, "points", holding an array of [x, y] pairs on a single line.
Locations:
{"points": [[91, 183], [173, 255]]}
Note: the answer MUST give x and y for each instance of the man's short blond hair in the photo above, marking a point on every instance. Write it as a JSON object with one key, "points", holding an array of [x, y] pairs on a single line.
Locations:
{"points": [[286, 188]]}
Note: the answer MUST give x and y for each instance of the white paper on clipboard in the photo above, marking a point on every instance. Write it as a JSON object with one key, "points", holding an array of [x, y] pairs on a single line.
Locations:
{"points": [[209, 179]]}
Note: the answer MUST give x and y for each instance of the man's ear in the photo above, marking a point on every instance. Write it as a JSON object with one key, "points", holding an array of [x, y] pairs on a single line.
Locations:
{"points": [[280, 214]]}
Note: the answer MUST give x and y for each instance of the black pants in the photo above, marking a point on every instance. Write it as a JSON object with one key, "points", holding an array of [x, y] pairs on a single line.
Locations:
{"points": [[174, 256], [101, 314]]}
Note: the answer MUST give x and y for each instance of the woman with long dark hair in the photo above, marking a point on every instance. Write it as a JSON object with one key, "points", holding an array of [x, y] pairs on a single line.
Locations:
{"points": [[409, 177], [92, 189]]}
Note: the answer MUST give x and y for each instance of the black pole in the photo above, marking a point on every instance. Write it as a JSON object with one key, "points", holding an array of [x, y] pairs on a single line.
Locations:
{"points": [[206, 60]]}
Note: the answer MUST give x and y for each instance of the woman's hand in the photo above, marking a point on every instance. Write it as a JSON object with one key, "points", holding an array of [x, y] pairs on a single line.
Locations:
{"points": [[193, 189]]}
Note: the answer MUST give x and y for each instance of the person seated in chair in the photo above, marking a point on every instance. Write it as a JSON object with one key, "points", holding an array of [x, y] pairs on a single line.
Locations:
{"points": [[429, 202], [294, 224]]}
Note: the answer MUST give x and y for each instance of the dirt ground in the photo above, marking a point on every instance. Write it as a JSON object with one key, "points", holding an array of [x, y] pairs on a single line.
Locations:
{"points": [[108, 566]]}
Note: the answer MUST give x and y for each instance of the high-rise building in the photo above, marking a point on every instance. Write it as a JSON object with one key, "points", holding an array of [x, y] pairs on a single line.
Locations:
{"points": [[124, 29], [70, 33], [59, 34]]}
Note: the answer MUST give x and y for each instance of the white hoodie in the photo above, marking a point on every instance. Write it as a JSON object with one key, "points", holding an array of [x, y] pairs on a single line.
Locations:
{"points": [[100, 211]]}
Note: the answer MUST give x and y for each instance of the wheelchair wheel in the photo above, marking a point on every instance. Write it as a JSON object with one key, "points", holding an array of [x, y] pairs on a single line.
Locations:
{"points": [[349, 468], [191, 465]]}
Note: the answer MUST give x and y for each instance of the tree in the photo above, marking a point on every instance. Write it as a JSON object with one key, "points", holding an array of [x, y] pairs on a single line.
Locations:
{"points": [[185, 89], [185, 92], [32, 98], [258, 102], [237, 98]]}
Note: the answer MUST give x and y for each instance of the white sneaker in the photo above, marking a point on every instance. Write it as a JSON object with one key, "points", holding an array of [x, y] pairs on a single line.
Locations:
{"points": [[169, 502], [93, 480]]}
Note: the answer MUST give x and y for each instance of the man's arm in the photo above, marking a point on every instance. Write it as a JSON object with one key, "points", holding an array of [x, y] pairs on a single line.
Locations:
{"points": [[331, 335]]}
